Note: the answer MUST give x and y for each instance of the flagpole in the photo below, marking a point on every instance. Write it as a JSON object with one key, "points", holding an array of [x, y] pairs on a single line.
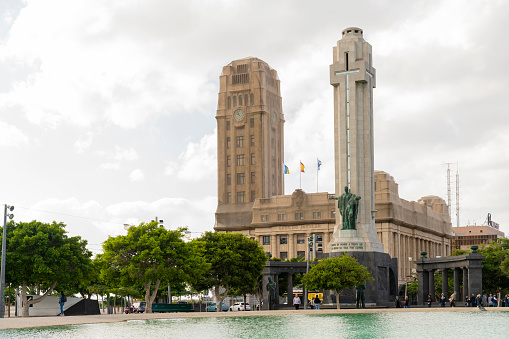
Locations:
{"points": [[317, 168], [300, 175]]}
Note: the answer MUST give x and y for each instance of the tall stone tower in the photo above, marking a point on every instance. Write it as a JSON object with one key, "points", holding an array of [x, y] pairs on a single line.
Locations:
{"points": [[249, 140], [353, 77]]}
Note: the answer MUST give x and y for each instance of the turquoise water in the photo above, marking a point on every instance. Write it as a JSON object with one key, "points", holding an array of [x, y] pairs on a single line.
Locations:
{"points": [[377, 325]]}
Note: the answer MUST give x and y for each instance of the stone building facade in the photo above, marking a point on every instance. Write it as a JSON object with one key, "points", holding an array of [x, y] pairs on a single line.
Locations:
{"points": [[250, 146]]}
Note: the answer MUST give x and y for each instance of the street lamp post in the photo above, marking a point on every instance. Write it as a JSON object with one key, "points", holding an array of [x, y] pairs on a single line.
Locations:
{"points": [[7, 209]]}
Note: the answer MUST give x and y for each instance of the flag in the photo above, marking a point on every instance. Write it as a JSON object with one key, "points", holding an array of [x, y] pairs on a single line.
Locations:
{"points": [[287, 171], [319, 163], [302, 167]]}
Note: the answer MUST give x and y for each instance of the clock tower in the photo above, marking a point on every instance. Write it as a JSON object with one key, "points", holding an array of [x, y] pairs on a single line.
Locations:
{"points": [[249, 140]]}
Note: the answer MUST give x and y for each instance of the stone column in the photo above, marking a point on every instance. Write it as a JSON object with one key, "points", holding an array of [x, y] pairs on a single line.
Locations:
{"points": [[273, 246], [265, 295], [445, 286], [291, 246], [431, 284], [425, 290], [420, 286], [276, 279], [465, 283], [457, 282], [289, 288]]}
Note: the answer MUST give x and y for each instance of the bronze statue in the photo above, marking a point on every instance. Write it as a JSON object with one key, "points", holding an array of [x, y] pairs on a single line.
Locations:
{"points": [[271, 288], [360, 297], [348, 205]]}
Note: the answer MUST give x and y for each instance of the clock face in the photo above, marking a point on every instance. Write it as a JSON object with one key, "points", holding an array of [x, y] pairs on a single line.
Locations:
{"points": [[274, 116], [238, 115]]}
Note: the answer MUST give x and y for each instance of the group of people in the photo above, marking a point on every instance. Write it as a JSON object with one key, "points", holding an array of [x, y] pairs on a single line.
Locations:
{"points": [[314, 303], [405, 303]]}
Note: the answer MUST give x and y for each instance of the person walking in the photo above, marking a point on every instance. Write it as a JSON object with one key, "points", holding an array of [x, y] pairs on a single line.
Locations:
{"points": [[397, 303], [443, 300], [61, 300], [473, 301], [453, 299], [406, 303], [317, 303], [430, 300], [296, 302]]}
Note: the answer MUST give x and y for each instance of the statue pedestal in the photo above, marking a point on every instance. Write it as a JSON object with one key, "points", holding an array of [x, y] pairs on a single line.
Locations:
{"points": [[358, 240]]}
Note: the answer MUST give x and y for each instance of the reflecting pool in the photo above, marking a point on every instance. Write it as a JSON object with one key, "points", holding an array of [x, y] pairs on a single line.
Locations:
{"points": [[374, 325]]}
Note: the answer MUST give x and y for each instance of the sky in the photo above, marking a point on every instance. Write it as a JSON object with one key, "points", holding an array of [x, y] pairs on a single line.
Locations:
{"points": [[107, 108]]}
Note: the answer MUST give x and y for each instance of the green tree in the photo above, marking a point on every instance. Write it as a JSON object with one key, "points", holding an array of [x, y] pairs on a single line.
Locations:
{"points": [[149, 254], [41, 254], [236, 263], [336, 274], [495, 272]]}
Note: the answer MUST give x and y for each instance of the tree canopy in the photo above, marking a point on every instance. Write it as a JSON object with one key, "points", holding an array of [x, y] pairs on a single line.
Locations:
{"points": [[150, 254], [41, 254], [236, 263], [336, 274]]}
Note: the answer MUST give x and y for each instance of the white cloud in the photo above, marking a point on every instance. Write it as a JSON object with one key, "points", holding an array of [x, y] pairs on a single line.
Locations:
{"points": [[11, 135], [122, 154], [198, 161], [110, 166], [137, 175], [84, 142]]}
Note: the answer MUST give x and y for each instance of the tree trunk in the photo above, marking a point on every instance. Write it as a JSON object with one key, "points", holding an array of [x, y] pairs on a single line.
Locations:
{"points": [[337, 299], [149, 299], [26, 304], [115, 303], [245, 303], [218, 297]]}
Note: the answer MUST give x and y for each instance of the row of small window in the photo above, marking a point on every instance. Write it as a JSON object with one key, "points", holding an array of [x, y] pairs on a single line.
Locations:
{"points": [[284, 255], [241, 160], [241, 178], [241, 103], [298, 216], [229, 125], [241, 197], [239, 141], [283, 239]]}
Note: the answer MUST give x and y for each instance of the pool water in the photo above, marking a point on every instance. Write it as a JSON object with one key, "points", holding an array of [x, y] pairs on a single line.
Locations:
{"points": [[376, 325]]}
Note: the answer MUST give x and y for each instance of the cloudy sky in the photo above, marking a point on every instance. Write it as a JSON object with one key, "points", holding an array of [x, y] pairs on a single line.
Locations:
{"points": [[107, 108]]}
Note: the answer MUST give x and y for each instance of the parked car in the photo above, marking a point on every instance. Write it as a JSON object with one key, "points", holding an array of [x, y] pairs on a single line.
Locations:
{"points": [[212, 307], [141, 307], [240, 307]]}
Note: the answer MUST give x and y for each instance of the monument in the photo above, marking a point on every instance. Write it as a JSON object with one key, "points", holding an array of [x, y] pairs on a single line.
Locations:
{"points": [[353, 77]]}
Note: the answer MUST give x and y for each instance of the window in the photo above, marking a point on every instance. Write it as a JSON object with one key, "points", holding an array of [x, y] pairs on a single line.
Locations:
{"points": [[273, 182], [332, 214], [241, 160], [273, 162], [252, 177], [265, 217], [283, 239], [241, 179], [251, 122], [252, 195], [228, 179], [301, 254], [245, 98], [228, 161], [252, 140], [301, 239], [281, 217], [252, 99], [241, 196], [240, 141], [228, 142], [317, 215], [227, 125], [235, 101], [266, 239], [319, 238], [284, 256], [229, 197], [229, 102], [240, 100], [299, 216], [252, 158]]}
